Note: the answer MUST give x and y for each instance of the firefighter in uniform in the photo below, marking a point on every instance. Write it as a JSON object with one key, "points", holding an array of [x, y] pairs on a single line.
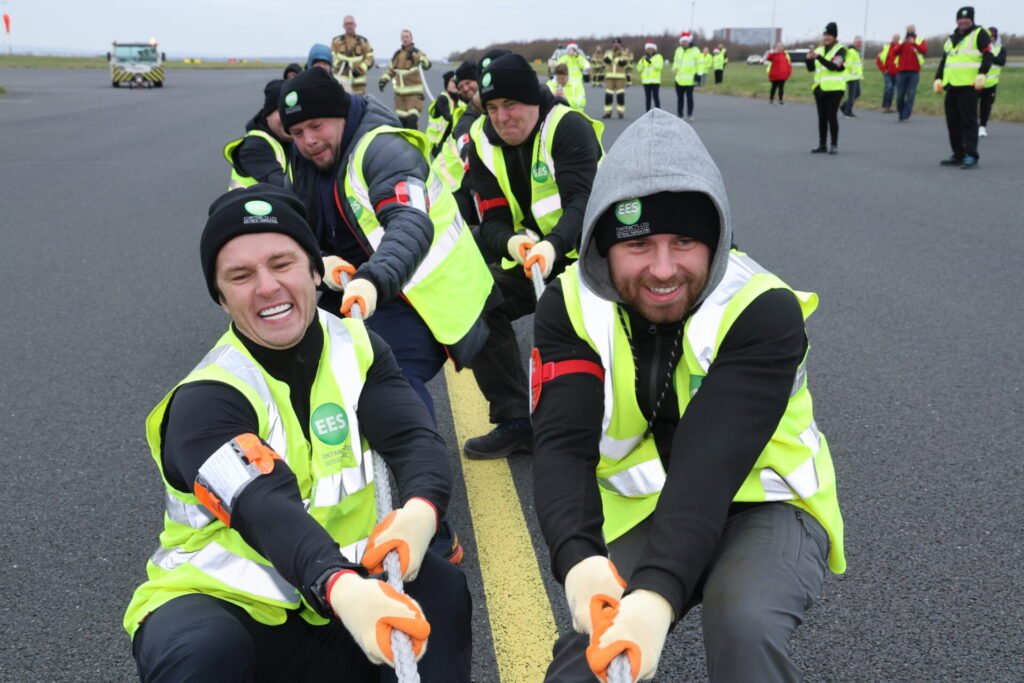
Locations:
{"points": [[532, 161], [268, 563], [597, 67], [405, 70], [353, 57], [618, 67], [261, 156], [962, 74], [677, 460], [443, 113]]}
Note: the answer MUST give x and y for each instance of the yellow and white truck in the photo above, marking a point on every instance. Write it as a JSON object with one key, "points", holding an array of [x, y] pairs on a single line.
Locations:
{"points": [[136, 65]]}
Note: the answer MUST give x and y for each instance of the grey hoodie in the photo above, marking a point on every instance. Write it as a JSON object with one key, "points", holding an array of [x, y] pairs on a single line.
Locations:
{"points": [[657, 153]]}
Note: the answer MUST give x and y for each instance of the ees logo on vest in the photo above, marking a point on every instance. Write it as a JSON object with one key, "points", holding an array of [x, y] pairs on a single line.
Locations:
{"points": [[628, 212], [330, 425], [540, 172]]}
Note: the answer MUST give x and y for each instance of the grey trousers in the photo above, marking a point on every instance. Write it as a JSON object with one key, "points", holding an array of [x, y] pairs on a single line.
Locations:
{"points": [[766, 573]]}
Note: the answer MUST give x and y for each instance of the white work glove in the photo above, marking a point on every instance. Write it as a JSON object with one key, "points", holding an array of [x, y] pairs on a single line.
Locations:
{"points": [[637, 626], [334, 266], [360, 291], [408, 532], [543, 254], [937, 86], [979, 82], [592, 577], [371, 609], [517, 246]]}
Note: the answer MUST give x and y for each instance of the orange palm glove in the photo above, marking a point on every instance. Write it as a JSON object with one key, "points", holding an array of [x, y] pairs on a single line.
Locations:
{"points": [[371, 609], [594, 576], [543, 254], [334, 266], [517, 246], [637, 626], [362, 292], [406, 531]]}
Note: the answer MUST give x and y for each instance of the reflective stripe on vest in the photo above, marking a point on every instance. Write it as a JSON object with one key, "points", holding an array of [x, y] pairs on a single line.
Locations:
{"points": [[827, 79], [651, 67], [238, 180], [452, 269], [684, 63], [992, 77], [962, 60]]}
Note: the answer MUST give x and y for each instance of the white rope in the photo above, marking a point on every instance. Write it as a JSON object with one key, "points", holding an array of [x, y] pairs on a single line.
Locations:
{"points": [[426, 88], [619, 670], [401, 646]]}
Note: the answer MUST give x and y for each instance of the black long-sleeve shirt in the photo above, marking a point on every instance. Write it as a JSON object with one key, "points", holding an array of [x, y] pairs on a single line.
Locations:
{"points": [[269, 513], [255, 158], [575, 150], [707, 453], [984, 45], [837, 63]]}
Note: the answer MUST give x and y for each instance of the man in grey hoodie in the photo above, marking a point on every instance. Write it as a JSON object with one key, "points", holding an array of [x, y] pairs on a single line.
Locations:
{"points": [[677, 460]]}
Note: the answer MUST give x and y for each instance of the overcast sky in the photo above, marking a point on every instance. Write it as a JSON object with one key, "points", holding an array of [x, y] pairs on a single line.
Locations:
{"points": [[241, 28]]}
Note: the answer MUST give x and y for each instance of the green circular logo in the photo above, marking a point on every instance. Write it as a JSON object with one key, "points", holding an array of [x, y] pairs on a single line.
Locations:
{"points": [[486, 80], [258, 207], [628, 211], [357, 208], [486, 63], [540, 172], [329, 423], [291, 98]]}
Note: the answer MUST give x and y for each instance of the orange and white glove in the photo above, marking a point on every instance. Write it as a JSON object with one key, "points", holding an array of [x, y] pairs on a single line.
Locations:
{"points": [[371, 609], [543, 254], [408, 532], [979, 82], [360, 291], [637, 625], [592, 577], [517, 246], [334, 266], [937, 86]]}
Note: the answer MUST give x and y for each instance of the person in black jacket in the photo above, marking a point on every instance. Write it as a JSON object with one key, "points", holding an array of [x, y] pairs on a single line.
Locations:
{"points": [[673, 427], [827, 100], [987, 98], [285, 602], [261, 156], [961, 103], [521, 113]]}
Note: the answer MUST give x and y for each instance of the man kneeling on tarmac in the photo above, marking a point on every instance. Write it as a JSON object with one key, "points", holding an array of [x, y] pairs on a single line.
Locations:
{"points": [[673, 422], [269, 561]]}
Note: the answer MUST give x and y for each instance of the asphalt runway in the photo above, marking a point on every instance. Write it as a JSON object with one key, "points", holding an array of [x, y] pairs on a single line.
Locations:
{"points": [[916, 365]]}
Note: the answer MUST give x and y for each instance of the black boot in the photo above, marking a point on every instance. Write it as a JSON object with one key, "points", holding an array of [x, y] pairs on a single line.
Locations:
{"points": [[820, 149], [508, 438]]}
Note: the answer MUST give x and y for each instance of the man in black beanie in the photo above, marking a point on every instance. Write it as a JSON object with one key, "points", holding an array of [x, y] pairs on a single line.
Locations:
{"points": [[532, 164], [261, 155], [271, 535]]}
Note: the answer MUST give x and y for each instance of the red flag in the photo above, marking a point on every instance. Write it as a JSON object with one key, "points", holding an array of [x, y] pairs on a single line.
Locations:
{"points": [[7, 22]]}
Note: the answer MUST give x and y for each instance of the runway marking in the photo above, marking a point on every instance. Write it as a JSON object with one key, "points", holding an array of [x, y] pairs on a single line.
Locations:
{"points": [[522, 624]]}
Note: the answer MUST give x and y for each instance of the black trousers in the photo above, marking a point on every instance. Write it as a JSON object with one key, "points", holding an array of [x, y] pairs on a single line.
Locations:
{"points": [[718, 75], [681, 92], [779, 86], [652, 91], [200, 638], [828, 114], [962, 120], [986, 99]]}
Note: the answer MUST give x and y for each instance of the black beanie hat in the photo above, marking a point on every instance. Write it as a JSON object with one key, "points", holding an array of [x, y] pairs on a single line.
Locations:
{"points": [[447, 76], [965, 13], [292, 68], [489, 57], [831, 29], [467, 71], [691, 214], [313, 94], [259, 208], [271, 95], [510, 76]]}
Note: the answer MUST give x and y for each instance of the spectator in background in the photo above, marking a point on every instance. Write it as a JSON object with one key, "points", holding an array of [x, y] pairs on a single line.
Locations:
{"points": [[886, 63], [909, 60], [988, 96], [854, 74], [780, 68], [320, 56], [828, 63]]}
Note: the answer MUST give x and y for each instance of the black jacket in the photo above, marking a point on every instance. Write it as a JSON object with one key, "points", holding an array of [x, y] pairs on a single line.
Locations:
{"points": [[984, 44], [269, 513], [255, 157], [576, 151], [707, 453]]}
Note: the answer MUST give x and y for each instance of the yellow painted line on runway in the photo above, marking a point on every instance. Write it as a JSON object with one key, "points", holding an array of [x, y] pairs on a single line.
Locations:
{"points": [[522, 624]]}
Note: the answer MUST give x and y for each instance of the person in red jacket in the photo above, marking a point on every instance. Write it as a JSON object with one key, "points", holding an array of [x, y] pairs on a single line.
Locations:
{"points": [[909, 57], [886, 63], [780, 68]]}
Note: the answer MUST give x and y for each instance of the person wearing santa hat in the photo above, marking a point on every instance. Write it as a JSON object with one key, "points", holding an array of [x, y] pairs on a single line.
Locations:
{"points": [[684, 65], [650, 67]]}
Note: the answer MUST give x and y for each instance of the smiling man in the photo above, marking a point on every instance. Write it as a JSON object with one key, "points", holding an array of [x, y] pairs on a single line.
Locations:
{"points": [[676, 457], [269, 539]]}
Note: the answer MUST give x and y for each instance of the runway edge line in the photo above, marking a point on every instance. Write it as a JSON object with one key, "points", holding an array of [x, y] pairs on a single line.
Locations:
{"points": [[522, 624]]}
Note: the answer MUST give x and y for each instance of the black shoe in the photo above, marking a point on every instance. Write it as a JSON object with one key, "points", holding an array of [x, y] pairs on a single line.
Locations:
{"points": [[781, 103], [954, 160], [508, 438], [833, 150], [445, 543], [607, 116], [821, 149], [621, 115], [970, 162]]}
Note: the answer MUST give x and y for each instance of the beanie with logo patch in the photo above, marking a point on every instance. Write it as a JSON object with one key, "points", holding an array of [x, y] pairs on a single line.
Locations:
{"points": [[511, 77], [255, 209], [313, 94], [689, 214]]}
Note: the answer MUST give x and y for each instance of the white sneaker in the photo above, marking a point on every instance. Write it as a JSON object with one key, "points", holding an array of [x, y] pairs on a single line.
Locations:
{"points": [[982, 133]]}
